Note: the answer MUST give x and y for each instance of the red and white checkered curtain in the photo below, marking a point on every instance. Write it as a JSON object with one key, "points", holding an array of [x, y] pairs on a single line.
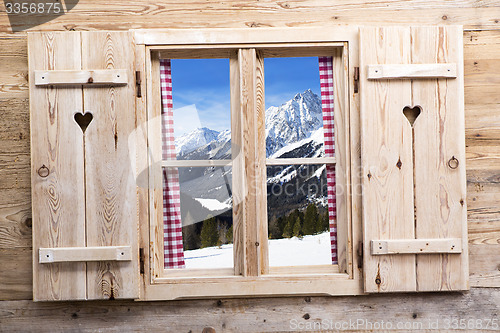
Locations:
{"points": [[172, 225], [326, 82]]}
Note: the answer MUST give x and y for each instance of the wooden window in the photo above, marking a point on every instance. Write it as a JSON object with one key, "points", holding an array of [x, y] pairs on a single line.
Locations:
{"points": [[97, 162], [248, 161]]}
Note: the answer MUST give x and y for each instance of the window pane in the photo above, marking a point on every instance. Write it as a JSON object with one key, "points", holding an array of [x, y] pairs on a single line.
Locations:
{"points": [[299, 230], [198, 217], [299, 124], [294, 118], [200, 103]]}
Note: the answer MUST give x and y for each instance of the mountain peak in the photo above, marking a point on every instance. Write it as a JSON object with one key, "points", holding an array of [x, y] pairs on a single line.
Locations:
{"points": [[293, 121], [188, 142]]}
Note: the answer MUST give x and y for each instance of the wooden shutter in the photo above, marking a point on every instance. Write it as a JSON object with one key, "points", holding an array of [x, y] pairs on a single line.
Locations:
{"points": [[83, 182], [414, 184]]}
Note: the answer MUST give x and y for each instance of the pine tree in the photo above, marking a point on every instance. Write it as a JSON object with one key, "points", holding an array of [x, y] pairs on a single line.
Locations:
{"points": [[287, 231], [209, 235], [229, 234], [282, 221], [325, 223], [311, 220], [297, 228]]}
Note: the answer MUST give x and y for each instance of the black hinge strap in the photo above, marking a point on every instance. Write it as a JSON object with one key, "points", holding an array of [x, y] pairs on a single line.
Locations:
{"points": [[356, 80], [138, 82]]}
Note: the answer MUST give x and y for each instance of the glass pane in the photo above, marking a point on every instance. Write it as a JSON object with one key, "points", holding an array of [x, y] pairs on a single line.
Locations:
{"points": [[200, 102], [198, 210], [299, 231], [294, 117], [299, 124]]}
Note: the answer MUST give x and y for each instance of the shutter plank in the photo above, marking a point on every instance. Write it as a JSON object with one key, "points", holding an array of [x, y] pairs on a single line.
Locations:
{"points": [[58, 201], [111, 166], [386, 138], [440, 191]]}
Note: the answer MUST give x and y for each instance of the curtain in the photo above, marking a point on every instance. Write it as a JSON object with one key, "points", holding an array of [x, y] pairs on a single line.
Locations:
{"points": [[326, 82], [172, 224]]}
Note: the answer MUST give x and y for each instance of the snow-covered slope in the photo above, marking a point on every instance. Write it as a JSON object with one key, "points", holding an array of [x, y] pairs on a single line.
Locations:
{"points": [[308, 250]]}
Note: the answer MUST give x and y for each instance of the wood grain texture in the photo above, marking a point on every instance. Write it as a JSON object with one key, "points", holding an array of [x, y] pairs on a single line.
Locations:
{"points": [[154, 142], [16, 280], [260, 167], [57, 143], [440, 192], [86, 77], [342, 154], [436, 137], [387, 161], [96, 253], [142, 178], [15, 218], [238, 167], [412, 71], [115, 15], [250, 315], [247, 59], [110, 166], [406, 246], [485, 266], [15, 125]]}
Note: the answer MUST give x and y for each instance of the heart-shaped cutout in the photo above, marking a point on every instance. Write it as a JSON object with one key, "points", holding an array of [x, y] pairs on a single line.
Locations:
{"points": [[411, 113], [83, 120]]}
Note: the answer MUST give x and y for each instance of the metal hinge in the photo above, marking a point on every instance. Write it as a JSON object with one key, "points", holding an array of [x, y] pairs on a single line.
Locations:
{"points": [[138, 82], [356, 80], [141, 260], [360, 255]]}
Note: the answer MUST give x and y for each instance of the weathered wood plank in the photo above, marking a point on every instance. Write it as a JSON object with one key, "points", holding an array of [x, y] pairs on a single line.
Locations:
{"points": [[110, 166], [57, 144], [15, 218], [387, 162], [114, 15], [415, 71], [15, 125], [422, 313], [440, 191], [85, 77], [482, 125], [415, 246], [15, 171], [485, 264], [482, 203], [249, 160], [96, 253], [13, 59], [16, 280]]}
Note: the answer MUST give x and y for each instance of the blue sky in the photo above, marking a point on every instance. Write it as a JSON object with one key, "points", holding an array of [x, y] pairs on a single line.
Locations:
{"points": [[201, 93]]}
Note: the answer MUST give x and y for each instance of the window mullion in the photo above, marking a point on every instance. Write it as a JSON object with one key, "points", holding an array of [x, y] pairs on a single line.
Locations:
{"points": [[248, 164]]}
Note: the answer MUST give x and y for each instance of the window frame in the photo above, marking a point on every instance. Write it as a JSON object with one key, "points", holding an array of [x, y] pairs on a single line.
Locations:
{"points": [[252, 45]]}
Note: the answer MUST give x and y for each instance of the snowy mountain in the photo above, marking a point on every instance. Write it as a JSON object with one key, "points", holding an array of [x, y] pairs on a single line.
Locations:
{"points": [[293, 121], [197, 138], [293, 130], [290, 123]]}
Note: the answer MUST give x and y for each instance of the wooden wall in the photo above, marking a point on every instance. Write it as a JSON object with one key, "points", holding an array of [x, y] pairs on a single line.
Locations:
{"points": [[481, 19]]}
